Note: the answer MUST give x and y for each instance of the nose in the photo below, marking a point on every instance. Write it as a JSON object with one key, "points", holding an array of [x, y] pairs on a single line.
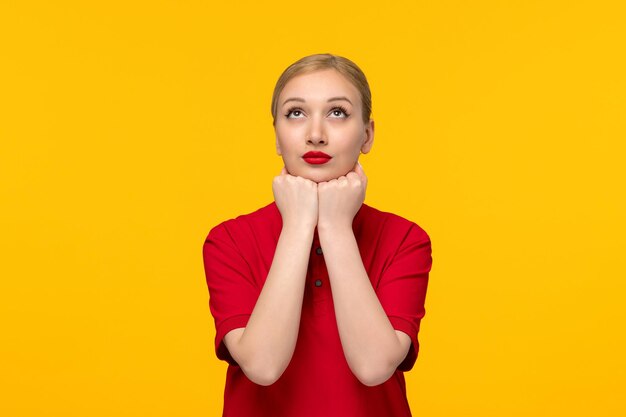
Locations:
{"points": [[316, 134]]}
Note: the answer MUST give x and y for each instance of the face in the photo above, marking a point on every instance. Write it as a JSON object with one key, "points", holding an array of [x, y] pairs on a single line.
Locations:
{"points": [[321, 112]]}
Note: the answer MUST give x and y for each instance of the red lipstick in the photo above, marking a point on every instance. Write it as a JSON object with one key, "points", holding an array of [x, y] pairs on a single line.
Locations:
{"points": [[316, 158]]}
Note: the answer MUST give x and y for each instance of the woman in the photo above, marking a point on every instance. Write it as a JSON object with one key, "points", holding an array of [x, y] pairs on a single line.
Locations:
{"points": [[317, 297]]}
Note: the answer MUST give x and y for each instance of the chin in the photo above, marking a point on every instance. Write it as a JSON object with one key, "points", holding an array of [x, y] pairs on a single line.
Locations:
{"points": [[326, 178], [317, 175], [315, 178]]}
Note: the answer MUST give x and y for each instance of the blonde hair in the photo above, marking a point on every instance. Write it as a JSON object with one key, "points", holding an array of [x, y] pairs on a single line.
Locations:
{"points": [[317, 62]]}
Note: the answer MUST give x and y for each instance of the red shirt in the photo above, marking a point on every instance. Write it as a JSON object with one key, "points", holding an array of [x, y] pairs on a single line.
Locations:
{"points": [[237, 256]]}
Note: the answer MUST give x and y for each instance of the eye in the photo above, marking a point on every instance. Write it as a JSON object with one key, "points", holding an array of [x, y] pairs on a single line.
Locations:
{"points": [[337, 111], [295, 111]]}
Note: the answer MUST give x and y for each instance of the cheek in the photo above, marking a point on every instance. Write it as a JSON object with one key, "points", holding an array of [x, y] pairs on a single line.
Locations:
{"points": [[284, 138], [289, 134], [351, 140], [289, 150], [350, 132]]}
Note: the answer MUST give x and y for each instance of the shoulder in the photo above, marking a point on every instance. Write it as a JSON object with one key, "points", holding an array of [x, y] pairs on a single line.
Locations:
{"points": [[393, 226], [263, 220]]}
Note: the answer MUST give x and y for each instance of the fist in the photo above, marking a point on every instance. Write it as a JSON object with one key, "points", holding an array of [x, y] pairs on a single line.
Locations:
{"points": [[340, 199], [296, 199]]}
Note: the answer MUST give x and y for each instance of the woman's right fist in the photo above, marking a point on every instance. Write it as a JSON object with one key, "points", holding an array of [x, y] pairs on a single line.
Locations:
{"points": [[296, 199]]}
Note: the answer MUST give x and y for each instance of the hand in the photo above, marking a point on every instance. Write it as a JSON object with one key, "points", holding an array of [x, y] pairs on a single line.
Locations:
{"points": [[296, 198], [341, 198]]}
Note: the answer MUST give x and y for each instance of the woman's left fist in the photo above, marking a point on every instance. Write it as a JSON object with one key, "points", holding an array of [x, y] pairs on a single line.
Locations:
{"points": [[341, 198]]}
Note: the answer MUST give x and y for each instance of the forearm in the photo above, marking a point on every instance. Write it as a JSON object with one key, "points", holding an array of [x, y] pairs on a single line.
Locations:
{"points": [[369, 341], [269, 339]]}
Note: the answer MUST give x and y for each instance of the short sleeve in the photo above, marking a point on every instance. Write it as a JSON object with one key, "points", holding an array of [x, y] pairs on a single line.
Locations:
{"points": [[232, 289], [402, 288]]}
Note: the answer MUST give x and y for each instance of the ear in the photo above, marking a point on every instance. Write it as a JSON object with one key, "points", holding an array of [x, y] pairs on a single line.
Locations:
{"points": [[369, 137]]}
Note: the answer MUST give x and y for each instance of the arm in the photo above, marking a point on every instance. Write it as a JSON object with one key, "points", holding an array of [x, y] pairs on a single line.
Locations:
{"points": [[263, 349], [373, 348]]}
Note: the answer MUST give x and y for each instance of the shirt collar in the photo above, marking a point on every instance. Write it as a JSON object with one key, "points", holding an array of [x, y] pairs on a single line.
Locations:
{"points": [[357, 222]]}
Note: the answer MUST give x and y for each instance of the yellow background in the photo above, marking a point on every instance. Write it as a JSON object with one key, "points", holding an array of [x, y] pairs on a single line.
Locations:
{"points": [[129, 128]]}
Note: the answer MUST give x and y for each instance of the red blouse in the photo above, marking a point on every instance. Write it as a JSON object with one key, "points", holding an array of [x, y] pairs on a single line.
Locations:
{"points": [[237, 256]]}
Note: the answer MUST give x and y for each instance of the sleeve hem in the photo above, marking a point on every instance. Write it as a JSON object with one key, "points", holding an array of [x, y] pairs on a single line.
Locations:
{"points": [[234, 322], [407, 327]]}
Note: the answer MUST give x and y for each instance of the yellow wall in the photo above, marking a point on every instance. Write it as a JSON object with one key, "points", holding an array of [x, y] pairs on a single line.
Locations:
{"points": [[129, 129]]}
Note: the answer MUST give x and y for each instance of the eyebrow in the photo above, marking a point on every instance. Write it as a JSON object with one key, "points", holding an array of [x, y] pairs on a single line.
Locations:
{"points": [[328, 101]]}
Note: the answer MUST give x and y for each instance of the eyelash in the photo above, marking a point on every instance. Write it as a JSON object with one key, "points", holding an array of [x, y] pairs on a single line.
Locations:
{"points": [[343, 109]]}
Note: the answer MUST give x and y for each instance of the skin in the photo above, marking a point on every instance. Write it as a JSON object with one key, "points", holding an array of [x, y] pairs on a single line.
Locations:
{"points": [[325, 196]]}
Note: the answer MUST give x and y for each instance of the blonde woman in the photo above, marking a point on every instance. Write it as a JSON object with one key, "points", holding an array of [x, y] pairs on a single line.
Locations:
{"points": [[317, 297]]}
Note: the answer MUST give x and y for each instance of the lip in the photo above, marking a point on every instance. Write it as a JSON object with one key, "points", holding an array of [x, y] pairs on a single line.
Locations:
{"points": [[316, 154], [316, 158]]}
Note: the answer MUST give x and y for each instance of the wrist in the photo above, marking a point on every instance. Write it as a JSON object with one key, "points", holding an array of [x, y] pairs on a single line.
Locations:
{"points": [[334, 227], [299, 227]]}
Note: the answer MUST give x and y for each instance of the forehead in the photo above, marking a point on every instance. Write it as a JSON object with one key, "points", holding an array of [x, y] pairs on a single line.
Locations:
{"points": [[319, 85]]}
